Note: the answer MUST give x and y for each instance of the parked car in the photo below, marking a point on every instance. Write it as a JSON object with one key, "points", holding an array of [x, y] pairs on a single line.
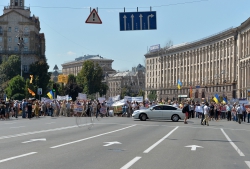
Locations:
{"points": [[159, 112]]}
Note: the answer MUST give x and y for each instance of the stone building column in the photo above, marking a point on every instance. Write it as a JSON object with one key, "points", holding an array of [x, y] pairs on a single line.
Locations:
{"points": [[238, 57]]}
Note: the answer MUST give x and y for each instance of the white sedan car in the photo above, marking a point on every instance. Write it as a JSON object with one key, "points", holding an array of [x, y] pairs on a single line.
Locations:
{"points": [[159, 112]]}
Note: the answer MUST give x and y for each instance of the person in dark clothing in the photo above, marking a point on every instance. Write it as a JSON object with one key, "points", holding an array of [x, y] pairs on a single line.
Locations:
{"points": [[29, 107]]}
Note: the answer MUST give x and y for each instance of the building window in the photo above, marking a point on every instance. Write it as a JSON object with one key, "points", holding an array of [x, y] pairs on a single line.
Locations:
{"points": [[25, 68], [25, 48], [0, 48], [9, 29], [9, 39], [16, 29], [9, 48], [26, 30], [1, 29], [16, 39], [26, 40], [16, 48], [16, 2], [1, 39]]}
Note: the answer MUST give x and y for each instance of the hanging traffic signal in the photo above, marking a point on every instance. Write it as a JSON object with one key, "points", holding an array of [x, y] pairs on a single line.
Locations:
{"points": [[31, 78], [54, 87]]}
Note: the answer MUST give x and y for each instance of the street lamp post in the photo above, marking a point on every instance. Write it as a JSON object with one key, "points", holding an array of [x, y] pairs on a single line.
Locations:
{"points": [[21, 46]]}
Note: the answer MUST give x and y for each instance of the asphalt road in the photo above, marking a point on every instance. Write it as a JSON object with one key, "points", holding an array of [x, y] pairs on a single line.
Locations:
{"points": [[121, 142]]}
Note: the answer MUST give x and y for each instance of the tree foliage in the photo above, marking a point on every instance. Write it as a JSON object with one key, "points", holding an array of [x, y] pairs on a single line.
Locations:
{"points": [[141, 93], [16, 88], [72, 89], [71, 78], [39, 70], [90, 77], [103, 90], [10, 68], [152, 95]]}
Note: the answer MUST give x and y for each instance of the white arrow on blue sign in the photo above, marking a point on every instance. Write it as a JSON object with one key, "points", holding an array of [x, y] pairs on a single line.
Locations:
{"points": [[137, 21]]}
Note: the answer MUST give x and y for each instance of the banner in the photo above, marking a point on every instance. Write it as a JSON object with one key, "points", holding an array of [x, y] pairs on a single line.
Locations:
{"points": [[103, 110], [132, 99], [115, 98], [127, 98], [61, 97], [101, 99], [137, 99], [82, 96], [78, 108], [46, 100]]}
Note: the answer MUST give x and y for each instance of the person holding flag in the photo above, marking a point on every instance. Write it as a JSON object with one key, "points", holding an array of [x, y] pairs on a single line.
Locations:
{"points": [[50, 94]]}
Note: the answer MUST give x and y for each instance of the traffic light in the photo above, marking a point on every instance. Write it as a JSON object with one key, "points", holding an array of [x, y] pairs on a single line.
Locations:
{"points": [[31, 78], [54, 87]]}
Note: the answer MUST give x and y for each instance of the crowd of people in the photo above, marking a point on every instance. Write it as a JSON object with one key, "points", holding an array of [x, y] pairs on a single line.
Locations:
{"points": [[35, 109], [204, 110], [215, 111]]}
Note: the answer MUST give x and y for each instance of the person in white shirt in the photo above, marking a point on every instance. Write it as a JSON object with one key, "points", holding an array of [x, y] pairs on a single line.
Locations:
{"points": [[239, 113], [206, 113]]}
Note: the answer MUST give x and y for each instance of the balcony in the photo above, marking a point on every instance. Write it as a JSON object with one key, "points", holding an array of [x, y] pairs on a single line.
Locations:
{"points": [[17, 52], [16, 7]]}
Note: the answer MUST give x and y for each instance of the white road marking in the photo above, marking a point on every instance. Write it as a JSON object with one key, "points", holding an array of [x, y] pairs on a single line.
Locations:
{"points": [[33, 140], [129, 164], [10, 123], [51, 123], [248, 163], [17, 127], [232, 143], [158, 142], [12, 158], [92, 137], [111, 143], [36, 132], [193, 147]]}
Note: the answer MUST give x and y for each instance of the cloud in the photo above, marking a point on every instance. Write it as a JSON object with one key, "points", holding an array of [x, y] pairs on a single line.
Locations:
{"points": [[70, 53]]}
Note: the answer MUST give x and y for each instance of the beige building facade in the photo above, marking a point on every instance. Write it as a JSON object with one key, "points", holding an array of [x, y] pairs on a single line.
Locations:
{"points": [[20, 34], [216, 64], [133, 81], [75, 67]]}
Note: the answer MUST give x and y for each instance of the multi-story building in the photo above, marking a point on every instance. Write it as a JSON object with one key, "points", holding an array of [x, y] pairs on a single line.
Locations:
{"points": [[134, 81], [75, 67], [20, 34], [216, 64]]}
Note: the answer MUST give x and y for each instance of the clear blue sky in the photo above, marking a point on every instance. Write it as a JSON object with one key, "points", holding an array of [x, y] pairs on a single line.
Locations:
{"points": [[67, 35]]}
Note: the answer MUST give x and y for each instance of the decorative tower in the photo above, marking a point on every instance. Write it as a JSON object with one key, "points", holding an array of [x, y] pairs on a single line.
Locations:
{"points": [[17, 4]]}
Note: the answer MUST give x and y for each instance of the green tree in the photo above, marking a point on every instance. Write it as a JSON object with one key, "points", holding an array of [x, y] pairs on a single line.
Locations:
{"points": [[103, 90], [71, 78], [10, 67], [141, 93], [16, 88], [152, 95], [39, 70], [90, 77], [72, 89]]}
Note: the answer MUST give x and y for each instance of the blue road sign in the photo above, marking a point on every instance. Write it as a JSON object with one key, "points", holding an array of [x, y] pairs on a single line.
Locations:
{"points": [[130, 21]]}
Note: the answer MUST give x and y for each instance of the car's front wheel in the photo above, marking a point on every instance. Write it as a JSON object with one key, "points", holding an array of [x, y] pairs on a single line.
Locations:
{"points": [[143, 117], [175, 118]]}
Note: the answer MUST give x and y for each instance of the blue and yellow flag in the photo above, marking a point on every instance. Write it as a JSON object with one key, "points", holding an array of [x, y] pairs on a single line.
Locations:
{"points": [[216, 98], [224, 100], [179, 84], [50, 94]]}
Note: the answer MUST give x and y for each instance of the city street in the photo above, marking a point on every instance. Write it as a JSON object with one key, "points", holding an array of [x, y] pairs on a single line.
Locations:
{"points": [[121, 142]]}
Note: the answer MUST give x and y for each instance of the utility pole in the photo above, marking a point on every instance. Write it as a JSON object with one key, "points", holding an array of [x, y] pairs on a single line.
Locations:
{"points": [[21, 46]]}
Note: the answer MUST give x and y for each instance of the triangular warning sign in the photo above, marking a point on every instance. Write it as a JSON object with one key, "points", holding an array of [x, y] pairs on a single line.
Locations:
{"points": [[93, 18]]}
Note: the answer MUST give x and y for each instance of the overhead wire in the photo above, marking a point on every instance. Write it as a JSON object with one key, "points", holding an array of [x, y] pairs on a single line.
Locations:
{"points": [[57, 7]]}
